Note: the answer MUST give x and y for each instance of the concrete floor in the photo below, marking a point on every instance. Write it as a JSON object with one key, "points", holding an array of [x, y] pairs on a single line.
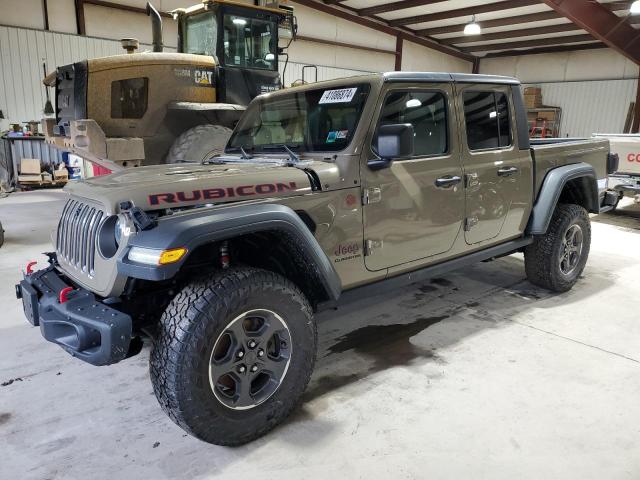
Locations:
{"points": [[475, 375]]}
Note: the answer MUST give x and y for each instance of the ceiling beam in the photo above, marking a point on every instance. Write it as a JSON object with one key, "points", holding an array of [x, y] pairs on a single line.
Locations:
{"points": [[464, 12], [304, 38], [523, 32], [540, 42], [508, 21], [604, 25], [392, 7], [556, 49], [498, 22], [381, 27]]}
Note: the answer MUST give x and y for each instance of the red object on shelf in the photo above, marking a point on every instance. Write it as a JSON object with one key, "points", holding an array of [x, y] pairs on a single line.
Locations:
{"points": [[99, 171]]}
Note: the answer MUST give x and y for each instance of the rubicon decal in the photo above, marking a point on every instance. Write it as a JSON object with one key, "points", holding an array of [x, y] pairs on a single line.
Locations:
{"points": [[219, 193]]}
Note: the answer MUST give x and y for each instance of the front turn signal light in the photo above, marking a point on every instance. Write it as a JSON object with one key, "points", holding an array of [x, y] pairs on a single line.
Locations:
{"points": [[171, 256], [150, 256]]}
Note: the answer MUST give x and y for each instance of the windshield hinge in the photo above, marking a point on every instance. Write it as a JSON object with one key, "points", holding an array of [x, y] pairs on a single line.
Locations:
{"points": [[371, 195], [371, 245]]}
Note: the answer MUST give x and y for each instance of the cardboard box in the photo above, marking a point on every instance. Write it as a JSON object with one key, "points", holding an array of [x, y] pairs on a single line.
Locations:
{"points": [[30, 171], [533, 91], [533, 101], [60, 174], [548, 115]]}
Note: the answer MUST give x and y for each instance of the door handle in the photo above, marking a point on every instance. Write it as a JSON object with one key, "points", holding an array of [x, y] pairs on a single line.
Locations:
{"points": [[448, 181], [507, 171]]}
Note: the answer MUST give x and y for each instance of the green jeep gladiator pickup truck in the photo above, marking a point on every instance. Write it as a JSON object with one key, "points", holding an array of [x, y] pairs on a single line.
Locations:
{"points": [[325, 192]]}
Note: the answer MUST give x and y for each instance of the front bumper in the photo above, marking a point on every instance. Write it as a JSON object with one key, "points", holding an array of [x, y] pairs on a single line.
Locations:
{"points": [[82, 325]]}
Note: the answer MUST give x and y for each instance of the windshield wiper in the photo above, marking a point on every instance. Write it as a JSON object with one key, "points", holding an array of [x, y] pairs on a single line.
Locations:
{"points": [[243, 153], [293, 157]]}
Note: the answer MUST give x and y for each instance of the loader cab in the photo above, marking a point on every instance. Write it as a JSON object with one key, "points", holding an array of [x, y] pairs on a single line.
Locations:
{"points": [[244, 41]]}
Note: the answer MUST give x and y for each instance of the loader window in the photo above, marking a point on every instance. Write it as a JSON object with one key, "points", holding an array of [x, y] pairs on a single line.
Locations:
{"points": [[249, 42], [129, 97], [200, 34]]}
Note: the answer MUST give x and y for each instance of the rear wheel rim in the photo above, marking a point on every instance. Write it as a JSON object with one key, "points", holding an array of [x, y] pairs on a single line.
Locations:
{"points": [[571, 249], [249, 359]]}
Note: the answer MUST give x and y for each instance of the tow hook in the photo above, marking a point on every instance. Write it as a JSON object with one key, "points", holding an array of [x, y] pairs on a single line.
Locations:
{"points": [[63, 296]]}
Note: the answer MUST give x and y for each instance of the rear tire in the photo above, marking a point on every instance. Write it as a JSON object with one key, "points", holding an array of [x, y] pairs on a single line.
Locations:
{"points": [[556, 259], [199, 143], [188, 348]]}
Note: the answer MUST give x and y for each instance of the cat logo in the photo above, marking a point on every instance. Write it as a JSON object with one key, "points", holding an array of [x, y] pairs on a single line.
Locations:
{"points": [[203, 77]]}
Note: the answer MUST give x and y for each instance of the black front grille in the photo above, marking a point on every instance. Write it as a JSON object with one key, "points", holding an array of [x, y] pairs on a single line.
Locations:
{"points": [[71, 96], [77, 234]]}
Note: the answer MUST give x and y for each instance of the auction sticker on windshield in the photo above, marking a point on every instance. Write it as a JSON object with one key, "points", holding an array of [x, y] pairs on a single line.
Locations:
{"points": [[344, 95]]}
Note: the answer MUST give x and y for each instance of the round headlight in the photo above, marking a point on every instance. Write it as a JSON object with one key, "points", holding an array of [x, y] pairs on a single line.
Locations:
{"points": [[112, 233], [119, 229]]}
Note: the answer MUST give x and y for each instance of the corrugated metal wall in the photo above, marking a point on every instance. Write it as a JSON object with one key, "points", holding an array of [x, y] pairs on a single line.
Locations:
{"points": [[294, 72], [22, 50], [599, 106]]}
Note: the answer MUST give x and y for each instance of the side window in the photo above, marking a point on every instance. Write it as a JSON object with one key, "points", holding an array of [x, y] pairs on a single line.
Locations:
{"points": [[427, 112], [129, 97], [487, 120]]}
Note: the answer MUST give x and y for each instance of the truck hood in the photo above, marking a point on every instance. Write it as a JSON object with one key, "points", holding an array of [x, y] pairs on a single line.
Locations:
{"points": [[173, 186]]}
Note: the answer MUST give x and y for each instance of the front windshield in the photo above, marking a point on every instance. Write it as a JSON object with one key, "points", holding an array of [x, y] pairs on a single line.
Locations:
{"points": [[200, 34], [249, 42], [320, 120]]}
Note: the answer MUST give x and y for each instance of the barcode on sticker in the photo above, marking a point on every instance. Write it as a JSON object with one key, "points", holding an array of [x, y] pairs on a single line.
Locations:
{"points": [[344, 95]]}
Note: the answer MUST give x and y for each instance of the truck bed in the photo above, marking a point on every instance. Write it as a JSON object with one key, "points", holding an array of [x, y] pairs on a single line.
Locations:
{"points": [[549, 153]]}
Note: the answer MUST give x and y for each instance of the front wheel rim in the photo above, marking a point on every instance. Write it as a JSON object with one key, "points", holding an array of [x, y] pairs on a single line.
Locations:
{"points": [[571, 249], [249, 359]]}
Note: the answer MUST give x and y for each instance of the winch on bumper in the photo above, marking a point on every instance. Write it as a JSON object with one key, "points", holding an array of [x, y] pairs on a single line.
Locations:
{"points": [[74, 319]]}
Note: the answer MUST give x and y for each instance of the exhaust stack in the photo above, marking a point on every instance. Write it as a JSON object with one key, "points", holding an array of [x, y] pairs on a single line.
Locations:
{"points": [[156, 27], [130, 44]]}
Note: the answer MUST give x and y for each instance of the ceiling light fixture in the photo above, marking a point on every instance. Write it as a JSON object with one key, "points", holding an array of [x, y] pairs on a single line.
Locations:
{"points": [[635, 8], [473, 28]]}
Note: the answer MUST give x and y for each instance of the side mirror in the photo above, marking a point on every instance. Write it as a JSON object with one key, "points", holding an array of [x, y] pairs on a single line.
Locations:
{"points": [[393, 141]]}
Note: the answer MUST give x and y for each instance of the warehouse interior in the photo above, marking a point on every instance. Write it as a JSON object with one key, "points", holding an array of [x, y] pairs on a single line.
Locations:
{"points": [[467, 369]]}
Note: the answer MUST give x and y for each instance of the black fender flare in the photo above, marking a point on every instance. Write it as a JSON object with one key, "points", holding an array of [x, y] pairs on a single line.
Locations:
{"points": [[551, 189], [201, 226]]}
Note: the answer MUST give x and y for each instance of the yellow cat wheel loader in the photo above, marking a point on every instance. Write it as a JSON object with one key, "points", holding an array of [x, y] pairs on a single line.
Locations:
{"points": [[169, 107]]}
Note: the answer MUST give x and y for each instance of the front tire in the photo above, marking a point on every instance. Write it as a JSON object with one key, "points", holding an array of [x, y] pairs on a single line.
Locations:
{"points": [[234, 354], [556, 259]]}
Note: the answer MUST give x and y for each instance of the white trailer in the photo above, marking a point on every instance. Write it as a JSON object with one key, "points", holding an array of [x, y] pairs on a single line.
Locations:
{"points": [[626, 181]]}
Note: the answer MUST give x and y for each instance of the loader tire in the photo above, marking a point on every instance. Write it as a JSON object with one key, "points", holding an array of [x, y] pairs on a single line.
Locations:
{"points": [[198, 144]]}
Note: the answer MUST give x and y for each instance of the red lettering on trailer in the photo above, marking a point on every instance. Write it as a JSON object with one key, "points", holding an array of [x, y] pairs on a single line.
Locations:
{"points": [[633, 157]]}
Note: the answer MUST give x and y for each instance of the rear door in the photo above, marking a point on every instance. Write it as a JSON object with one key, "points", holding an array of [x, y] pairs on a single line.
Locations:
{"points": [[497, 173], [414, 208]]}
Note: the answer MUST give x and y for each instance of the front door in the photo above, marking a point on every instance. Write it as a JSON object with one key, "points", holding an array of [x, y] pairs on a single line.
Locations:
{"points": [[497, 173], [414, 209]]}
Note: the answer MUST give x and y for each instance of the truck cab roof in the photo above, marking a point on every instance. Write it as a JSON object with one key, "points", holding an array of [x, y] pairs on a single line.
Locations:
{"points": [[448, 77]]}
